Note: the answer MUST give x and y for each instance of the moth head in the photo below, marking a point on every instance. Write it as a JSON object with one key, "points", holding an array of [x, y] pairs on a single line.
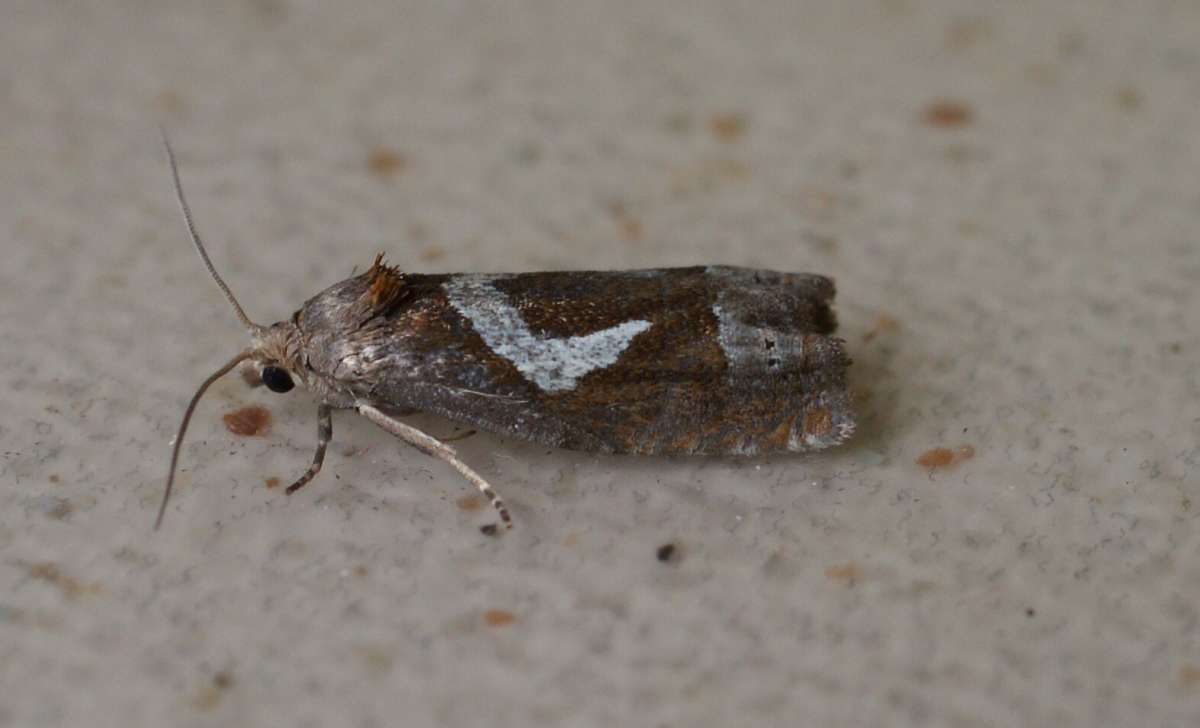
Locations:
{"points": [[276, 362]]}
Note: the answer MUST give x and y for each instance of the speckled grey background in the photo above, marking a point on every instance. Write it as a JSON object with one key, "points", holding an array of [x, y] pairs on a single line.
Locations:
{"points": [[1007, 194]]}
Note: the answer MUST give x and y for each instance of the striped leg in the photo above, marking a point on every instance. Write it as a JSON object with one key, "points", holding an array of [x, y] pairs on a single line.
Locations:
{"points": [[324, 435], [432, 446]]}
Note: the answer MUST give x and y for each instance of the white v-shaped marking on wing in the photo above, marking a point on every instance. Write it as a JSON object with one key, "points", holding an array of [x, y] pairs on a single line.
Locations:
{"points": [[554, 365]]}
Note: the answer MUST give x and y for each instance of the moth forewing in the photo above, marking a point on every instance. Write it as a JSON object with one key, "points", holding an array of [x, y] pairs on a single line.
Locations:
{"points": [[715, 361]]}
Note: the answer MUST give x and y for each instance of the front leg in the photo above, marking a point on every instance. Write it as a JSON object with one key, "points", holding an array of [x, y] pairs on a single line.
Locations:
{"points": [[432, 446], [324, 435]]}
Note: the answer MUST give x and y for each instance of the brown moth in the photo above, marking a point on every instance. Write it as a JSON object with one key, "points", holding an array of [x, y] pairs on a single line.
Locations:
{"points": [[709, 360]]}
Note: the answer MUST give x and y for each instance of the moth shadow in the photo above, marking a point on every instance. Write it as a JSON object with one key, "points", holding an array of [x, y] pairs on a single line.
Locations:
{"points": [[875, 390]]}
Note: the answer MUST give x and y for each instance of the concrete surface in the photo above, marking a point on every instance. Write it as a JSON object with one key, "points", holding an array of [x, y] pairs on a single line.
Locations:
{"points": [[1007, 194]]}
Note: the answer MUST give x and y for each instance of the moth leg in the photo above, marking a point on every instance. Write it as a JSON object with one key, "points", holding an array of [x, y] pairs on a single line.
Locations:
{"points": [[432, 446], [324, 435]]}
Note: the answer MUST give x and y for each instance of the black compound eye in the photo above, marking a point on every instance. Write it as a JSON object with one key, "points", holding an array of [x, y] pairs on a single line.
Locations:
{"points": [[277, 379]]}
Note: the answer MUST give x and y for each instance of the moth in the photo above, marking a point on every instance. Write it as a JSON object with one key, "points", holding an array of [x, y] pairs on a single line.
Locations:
{"points": [[708, 360]]}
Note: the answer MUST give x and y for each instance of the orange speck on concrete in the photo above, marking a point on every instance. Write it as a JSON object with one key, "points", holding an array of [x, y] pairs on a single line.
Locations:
{"points": [[499, 618], [727, 127], [940, 457], [248, 421], [1189, 676], [848, 572], [937, 457], [386, 162], [469, 503], [51, 573], [946, 114]]}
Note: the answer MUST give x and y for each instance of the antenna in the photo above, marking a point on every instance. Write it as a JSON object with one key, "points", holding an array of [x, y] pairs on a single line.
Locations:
{"points": [[187, 417], [191, 227]]}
